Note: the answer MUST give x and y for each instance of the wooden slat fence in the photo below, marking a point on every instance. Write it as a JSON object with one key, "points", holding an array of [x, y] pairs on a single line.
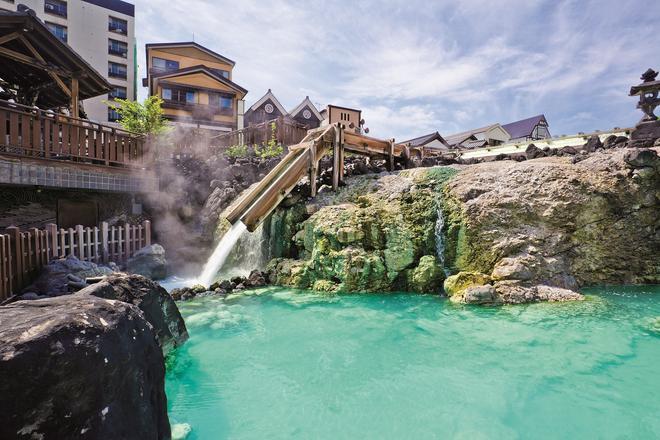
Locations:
{"points": [[24, 254], [287, 132], [31, 132]]}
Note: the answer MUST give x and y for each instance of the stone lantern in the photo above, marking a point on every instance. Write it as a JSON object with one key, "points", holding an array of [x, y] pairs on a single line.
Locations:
{"points": [[648, 128]]}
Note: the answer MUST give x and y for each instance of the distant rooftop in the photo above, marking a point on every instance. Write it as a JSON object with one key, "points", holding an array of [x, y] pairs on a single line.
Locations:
{"points": [[115, 5], [524, 127]]}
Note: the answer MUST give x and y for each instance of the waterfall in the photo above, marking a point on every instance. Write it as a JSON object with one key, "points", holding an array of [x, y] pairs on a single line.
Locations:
{"points": [[440, 240], [249, 253], [220, 254]]}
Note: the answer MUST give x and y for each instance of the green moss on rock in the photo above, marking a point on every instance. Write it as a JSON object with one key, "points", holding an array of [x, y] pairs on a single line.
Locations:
{"points": [[456, 284]]}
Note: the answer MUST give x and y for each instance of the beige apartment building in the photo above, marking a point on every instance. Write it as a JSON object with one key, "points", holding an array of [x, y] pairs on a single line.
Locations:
{"points": [[102, 32]]}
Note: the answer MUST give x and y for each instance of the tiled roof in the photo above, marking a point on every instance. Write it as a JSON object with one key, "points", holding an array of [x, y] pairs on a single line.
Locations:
{"points": [[524, 127], [422, 140]]}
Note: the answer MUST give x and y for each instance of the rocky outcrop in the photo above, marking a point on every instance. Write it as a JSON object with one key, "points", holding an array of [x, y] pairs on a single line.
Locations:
{"points": [[536, 230], [155, 303], [63, 276], [149, 261], [548, 222], [376, 234], [82, 367]]}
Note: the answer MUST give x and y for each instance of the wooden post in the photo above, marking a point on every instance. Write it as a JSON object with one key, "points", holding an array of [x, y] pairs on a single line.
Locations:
{"points": [[17, 251], [51, 230], [88, 231], [37, 248], [390, 154], [313, 170], [147, 233], [75, 92], [127, 242], [335, 158], [342, 152], [81, 242], [104, 242]]}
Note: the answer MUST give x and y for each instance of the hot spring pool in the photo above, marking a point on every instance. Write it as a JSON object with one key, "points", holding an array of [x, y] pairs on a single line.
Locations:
{"points": [[282, 364]]}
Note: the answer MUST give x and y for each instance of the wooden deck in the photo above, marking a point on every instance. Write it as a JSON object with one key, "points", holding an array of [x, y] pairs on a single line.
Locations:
{"points": [[303, 160]]}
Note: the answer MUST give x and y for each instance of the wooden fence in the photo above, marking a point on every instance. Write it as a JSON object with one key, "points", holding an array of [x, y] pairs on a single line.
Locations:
{"points": [[24, 254], [284, 130], [31, 132]]}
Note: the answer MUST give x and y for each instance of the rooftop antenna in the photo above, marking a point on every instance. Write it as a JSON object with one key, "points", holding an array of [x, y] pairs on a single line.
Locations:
{"points": [[193, 37]]}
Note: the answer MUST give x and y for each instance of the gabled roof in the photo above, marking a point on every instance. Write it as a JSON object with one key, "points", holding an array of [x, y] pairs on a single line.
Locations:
{"points": [[201, 69], [423, 140], [458, 138], [306, 103], [193, 45], [266, 97], [475, 143], [19, 66], [524, 127]]}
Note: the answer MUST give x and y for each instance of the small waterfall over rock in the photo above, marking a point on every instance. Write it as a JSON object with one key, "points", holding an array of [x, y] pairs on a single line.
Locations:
{"points": [[440, 239], [249, 253], [220, 254]]}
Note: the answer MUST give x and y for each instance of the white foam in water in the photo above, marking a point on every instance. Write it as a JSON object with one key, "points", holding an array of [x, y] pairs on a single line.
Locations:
{"points": [[180, 431], [222, 250]]}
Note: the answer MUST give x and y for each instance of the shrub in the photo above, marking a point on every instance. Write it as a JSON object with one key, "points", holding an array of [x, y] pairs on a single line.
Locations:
{"points": [[237, 151], [271, 148]]}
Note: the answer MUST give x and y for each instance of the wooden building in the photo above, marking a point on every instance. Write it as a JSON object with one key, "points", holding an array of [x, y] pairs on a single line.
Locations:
{"points": [[196, 85], [489, 135], [433, 141], [350, 117], [54, 165], [530, 129], [267, 108], [306, 114]]}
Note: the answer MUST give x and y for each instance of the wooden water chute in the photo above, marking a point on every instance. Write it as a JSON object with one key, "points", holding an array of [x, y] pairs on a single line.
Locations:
{"points": [[303, 160]]}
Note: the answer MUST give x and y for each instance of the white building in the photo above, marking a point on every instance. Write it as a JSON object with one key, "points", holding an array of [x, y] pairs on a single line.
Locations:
{"points": [[103, 33]]}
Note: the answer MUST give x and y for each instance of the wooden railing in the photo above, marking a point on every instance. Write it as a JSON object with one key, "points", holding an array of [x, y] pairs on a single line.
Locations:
{"points": [[286, 132], [24, 254], [31, 132]]}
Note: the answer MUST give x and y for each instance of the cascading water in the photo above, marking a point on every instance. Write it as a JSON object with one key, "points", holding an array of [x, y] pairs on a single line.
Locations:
{"points": [[220, 254], [440, 240], [248, 254]]}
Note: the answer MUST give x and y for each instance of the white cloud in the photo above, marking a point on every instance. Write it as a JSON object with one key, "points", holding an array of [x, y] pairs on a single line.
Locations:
{"points": [[415, 66]]}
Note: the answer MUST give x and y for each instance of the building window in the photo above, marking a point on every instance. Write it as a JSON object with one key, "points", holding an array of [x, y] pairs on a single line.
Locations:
{"points": [[344, 116], [220, 72], [118, 48], [56, 7], [116, 70], [58, 30], [117, 25], [178, 95], [222, 102], [163, 65], [113, 115], [118, 92]]}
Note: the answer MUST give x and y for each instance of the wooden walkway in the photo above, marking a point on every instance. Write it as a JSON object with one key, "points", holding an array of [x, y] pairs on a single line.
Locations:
{"points": [[303, 160]]}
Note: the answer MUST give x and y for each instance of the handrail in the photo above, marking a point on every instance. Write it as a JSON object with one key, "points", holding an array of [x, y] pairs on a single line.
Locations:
{"points": [[13, 106]]}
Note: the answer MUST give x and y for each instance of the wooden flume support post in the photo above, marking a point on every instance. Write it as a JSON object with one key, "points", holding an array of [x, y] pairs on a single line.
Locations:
{"points": [[340, 130], [313, 169], [335, 158], [390, 154]]}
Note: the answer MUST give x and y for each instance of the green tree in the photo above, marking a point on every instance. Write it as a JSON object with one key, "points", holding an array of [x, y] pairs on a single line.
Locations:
{"points": [[143, 118]]}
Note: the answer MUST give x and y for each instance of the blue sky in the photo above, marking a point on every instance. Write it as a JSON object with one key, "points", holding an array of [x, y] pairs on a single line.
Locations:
{"points": [[414, 67]]}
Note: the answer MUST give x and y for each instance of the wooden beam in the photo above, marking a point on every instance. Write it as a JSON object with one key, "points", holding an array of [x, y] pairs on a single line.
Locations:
{"points": [[75, 100], [9, 37], [391, 154], [53, 75], [335, 158], [25, 59], [313, 170]]}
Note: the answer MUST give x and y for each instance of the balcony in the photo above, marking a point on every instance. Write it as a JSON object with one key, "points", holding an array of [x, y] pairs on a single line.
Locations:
{"points": [[37, 134], [199, 111]]}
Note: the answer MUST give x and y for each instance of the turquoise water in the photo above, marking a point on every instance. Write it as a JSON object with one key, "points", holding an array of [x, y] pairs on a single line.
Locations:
{"points": [[280, 364]]}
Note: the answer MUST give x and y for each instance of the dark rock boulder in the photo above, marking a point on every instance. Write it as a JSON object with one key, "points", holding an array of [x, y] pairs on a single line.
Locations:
{"points": [[157, 305], [533, 152], [641, 158], [149, 261], [568, 151], [80, 367], [593, 144], [66, 275]]}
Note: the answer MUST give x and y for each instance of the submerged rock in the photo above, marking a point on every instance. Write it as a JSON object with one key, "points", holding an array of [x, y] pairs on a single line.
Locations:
{"points": [[157, 305], [78, 366]]}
